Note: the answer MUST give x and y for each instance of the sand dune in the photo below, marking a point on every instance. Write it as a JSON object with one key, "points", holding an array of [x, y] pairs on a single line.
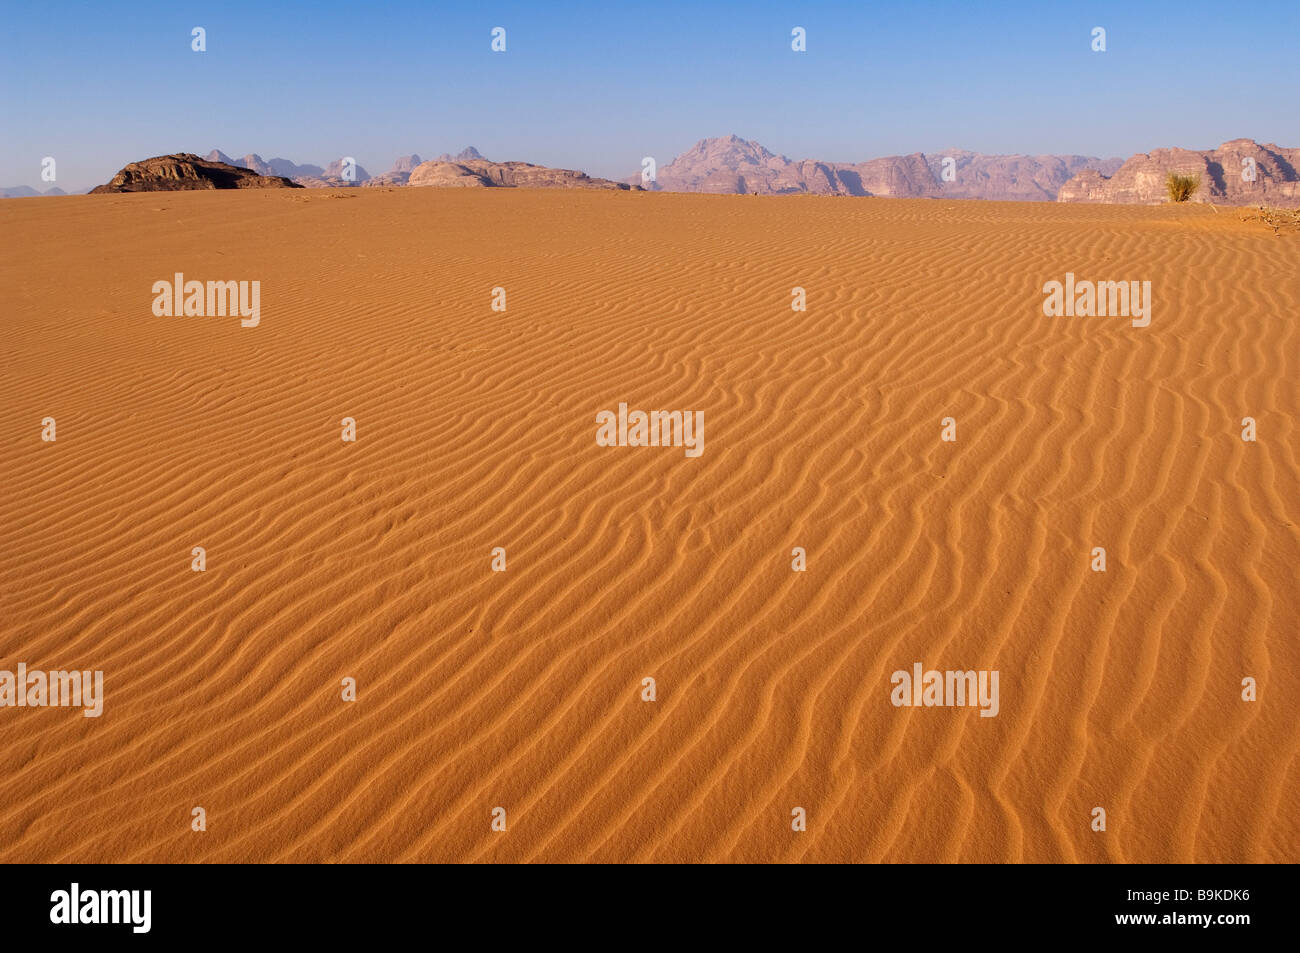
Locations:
{"points": [[521, 689]]}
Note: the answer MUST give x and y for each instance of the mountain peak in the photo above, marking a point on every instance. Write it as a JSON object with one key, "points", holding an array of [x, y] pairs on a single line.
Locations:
{"points": [[467, 154]]}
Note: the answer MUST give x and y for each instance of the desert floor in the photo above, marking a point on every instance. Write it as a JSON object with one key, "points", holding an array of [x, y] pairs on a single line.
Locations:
{"points": [[476, 429]]}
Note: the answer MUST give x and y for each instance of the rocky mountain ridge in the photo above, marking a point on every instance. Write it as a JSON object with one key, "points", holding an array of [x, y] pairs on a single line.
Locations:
{"points": [[732, 165]]}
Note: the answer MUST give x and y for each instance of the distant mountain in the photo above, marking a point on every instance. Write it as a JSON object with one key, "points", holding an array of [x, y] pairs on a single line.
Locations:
{"points": [[1011, 177], [26, 191], [398, 174], [406, 163], [290, 169], [1239, 172], [311, 176], [184, 171], [282, 167], [332, 177], [469, 152], [732, 165], [480, 173]]}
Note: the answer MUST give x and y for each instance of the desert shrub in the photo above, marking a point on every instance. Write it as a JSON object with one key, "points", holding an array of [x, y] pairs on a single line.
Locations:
{"points": [[1181, 187]]}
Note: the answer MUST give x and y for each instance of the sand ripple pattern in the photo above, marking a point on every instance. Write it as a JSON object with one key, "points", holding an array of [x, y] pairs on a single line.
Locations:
{"points": [[476, 430]]}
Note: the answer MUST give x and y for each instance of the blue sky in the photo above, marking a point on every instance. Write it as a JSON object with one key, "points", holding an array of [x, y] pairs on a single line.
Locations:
{"points": [[597, 86]]}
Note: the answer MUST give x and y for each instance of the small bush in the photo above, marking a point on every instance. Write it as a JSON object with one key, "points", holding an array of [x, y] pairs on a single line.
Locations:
{"points": [[1181, 187]]}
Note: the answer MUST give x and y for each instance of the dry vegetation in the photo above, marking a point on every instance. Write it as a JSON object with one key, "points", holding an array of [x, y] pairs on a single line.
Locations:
{"points": [[1181, 187], [1276, 218]]}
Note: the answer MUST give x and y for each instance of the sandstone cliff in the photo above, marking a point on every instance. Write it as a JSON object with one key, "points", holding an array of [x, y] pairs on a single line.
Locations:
{"points": [[1141, 180]]}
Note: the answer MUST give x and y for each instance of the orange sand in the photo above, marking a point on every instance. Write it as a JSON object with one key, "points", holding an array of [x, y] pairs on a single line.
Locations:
{"points": [[476, 429]]}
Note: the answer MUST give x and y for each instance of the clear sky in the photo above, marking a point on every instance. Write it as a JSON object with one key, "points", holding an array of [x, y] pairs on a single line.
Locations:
{"points": [[597, 86]]}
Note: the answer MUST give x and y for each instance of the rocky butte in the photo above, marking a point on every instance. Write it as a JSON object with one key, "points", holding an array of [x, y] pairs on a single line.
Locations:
{"points": [[185, 171], [480, 173]]}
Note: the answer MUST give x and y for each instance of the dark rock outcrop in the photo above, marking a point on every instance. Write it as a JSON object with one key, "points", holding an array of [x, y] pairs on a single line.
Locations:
{"points": [[184, 172]]}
